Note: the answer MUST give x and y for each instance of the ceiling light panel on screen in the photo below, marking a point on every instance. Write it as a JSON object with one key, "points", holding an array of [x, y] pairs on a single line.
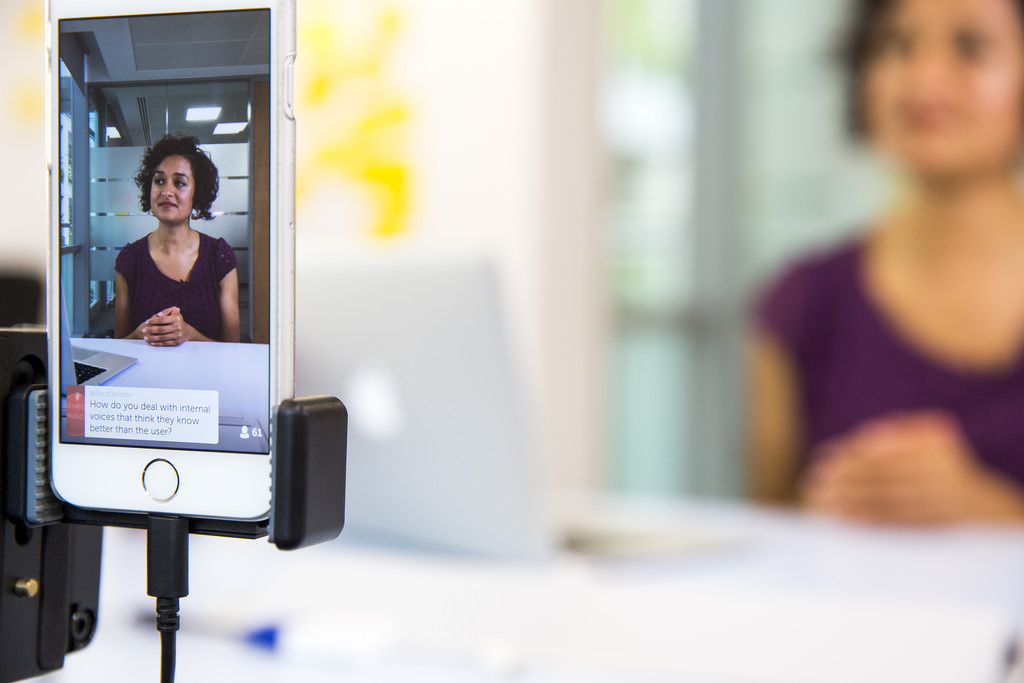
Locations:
{"points": [[230, 128], [202, 113]]}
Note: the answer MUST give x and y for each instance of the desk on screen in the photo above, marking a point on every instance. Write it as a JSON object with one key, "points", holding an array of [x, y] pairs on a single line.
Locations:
{"points": [[239, 373]]}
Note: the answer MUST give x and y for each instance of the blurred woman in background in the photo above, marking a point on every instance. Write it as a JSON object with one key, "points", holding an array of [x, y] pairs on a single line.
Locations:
{"points": [[887, 374]]}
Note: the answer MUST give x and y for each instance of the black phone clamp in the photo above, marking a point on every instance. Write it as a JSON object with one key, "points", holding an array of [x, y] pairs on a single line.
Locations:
{"points": [[50, 551]]}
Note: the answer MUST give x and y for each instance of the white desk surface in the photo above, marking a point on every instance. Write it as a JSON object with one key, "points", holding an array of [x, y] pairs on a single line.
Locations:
{"points": [[240, 372], [771, 599]]}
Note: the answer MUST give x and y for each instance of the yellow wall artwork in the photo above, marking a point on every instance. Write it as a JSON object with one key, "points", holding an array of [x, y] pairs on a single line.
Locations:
{"points": [[22, 132], [353, 117], [23, 35]]}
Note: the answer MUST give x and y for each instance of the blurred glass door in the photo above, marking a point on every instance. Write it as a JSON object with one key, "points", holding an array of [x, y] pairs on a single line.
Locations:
{"points": [[649, 120]]}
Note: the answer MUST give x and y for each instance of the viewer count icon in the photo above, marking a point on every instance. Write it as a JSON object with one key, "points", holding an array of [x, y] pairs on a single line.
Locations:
{"points": [[255, 432]]}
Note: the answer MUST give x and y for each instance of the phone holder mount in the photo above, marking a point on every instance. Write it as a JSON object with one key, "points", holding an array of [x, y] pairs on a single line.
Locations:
{"points": [[50, 551]]}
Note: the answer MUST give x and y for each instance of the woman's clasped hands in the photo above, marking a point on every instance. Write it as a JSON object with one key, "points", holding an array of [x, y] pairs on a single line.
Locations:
{"points": [[166, 328], [911, 469]]}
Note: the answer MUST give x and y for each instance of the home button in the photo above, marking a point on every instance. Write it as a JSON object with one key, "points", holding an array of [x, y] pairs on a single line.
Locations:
{"points": [[160, 480]]}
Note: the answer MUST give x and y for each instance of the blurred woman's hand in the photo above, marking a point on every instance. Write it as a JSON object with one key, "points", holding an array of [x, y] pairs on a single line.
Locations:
{"points": [[910, 469]]}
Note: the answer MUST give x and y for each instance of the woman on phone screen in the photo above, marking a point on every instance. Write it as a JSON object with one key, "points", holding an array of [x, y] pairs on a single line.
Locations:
{"points": [[177, 284]]}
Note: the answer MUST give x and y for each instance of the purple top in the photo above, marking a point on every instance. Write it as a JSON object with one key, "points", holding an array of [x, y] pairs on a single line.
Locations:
{"points": [[150, 291], [853, 365]]}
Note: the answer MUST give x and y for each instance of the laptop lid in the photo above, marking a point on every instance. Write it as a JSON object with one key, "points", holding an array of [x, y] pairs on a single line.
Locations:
{"points": [[442, 452]]}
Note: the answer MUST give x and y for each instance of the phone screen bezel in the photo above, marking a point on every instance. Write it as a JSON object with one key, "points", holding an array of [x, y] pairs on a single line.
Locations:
{"points": [[213, 484]]}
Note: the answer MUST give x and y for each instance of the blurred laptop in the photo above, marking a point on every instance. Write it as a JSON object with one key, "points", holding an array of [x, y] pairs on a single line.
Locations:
{"points": [[442, 454]]}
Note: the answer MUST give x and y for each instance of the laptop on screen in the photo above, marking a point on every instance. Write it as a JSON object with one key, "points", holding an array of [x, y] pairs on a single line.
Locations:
{"points": [[81, 366]]}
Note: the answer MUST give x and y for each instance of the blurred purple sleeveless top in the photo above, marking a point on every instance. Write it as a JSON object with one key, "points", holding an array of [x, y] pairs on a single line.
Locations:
{"points": [[150, 291], [853, 366]]}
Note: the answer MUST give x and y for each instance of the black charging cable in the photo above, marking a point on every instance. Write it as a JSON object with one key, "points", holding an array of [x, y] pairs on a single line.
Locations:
{"points": [[167, 581]]}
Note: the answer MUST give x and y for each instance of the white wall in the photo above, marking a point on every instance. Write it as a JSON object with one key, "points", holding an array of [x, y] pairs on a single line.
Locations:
{"points": [[23, 229]]}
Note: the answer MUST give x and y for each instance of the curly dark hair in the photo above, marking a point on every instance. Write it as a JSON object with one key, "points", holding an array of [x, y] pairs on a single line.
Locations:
{"points": [[856, 48], [204, 172]]}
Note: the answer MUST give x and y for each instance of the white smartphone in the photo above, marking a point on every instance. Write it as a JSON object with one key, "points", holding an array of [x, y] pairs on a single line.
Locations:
{"points": [[170, 290]]}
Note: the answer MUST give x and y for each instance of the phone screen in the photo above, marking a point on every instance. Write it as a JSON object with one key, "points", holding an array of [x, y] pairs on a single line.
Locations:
{"points": [[164, 230]]}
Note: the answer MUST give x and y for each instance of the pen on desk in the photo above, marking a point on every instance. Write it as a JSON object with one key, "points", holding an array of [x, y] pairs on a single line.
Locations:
{"points": [[1014, 663], [372, 641], [306, 638], [326, 639], [364, 641]]}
